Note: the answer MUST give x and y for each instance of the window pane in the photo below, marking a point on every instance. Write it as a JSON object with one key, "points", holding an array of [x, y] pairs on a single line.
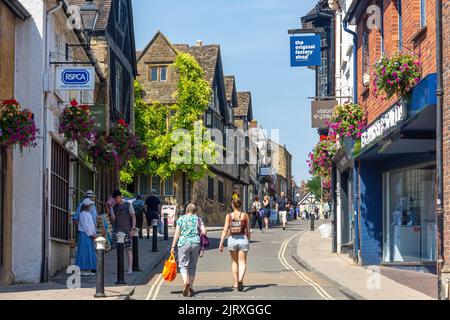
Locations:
{"points": [[210, 188], [156, 184], [221, 192], [163, 74], [154, 74], [143, 185], [423, 13], [168, 187]]}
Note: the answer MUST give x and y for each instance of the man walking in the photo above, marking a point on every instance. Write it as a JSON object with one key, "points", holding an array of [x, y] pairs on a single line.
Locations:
{"points": [[122, 213], [282, 209], [138, 206], [153, 206]]}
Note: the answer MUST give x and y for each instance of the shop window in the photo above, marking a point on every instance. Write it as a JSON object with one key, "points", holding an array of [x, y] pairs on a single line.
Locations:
{"points": [[210, 188], [221, 194], [409, 217], [168, 187]]}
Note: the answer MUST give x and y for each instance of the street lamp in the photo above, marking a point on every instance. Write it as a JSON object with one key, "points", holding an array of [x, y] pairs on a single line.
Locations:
{"points": [[89, 15]]}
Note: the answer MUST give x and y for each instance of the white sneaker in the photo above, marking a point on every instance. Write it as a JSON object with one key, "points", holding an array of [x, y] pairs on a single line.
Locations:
{"points": [[251, 231]]}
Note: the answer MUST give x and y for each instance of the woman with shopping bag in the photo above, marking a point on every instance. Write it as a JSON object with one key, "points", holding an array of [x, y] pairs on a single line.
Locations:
{"points": [[189, 236]]}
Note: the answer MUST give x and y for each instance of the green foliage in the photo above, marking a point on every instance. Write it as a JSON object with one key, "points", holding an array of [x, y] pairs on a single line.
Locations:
{"points": [[162, 127], [315, 186]]}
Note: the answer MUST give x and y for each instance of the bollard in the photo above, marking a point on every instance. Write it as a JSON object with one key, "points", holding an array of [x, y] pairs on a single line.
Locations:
{"points": [[166, 228], [100, 286], [135, 237], [312, 222], [155, 235], [120, 258]]}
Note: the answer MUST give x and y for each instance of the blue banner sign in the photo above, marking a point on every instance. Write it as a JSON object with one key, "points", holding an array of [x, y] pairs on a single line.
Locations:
{"points": [[305, 51], [75, 78]]}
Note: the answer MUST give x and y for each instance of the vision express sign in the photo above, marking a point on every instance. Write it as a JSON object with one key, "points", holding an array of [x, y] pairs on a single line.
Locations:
{"points": [[321, 112]]}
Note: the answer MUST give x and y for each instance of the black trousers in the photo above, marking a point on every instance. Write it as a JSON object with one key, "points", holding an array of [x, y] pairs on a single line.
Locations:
{"points": [[257, 218], [139, 222]]}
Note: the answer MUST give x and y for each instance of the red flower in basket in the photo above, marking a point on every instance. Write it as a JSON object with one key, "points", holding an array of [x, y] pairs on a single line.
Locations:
{"points": [[74, 103], [122, 123]]}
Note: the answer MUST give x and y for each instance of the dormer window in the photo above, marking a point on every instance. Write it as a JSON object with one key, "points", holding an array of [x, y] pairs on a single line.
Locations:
{"points": [[158, 74]]}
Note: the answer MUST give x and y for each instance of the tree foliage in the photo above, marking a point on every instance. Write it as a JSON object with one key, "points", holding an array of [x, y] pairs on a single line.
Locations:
{"points": [[164, 128]]}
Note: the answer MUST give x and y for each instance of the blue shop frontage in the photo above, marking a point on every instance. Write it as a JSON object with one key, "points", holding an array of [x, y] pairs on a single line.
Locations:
{"points": [[396, 170]]}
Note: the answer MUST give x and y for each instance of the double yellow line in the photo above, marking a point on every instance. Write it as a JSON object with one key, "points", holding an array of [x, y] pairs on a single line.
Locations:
{"points": [[301, 275], [154, 289]]}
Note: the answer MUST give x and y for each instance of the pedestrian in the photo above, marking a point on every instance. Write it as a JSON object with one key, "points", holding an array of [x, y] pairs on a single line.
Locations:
{"points": [[266, 208], [187, 237], [153, 206], [138, 206], [123, 215], [237, 230], [313, 217], [86, 258], [304, 214], [273, 210], [89, 195], [282, 209], [297, 212], [256, 214]]}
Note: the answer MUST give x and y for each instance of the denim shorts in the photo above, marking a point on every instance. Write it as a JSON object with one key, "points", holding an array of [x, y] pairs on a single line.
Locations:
{"points": [[238, 243]]}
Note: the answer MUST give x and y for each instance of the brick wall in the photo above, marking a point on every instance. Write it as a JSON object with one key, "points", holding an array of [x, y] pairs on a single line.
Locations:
{"points": [[414, 38], [446, 130]]}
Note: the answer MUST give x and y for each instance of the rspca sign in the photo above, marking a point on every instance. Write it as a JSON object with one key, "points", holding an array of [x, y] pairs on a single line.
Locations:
{"points": [[75, 78], [305, 51]]}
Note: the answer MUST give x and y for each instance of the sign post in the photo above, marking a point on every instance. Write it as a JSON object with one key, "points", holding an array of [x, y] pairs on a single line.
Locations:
{"points": [[306, 51], [75, 78]]}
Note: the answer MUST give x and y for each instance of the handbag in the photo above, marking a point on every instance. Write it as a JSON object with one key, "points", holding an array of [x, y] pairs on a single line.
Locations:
{"points": [[204, 240], [170, 269]]}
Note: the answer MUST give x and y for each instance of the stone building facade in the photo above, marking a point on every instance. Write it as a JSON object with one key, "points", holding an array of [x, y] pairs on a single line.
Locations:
{"points": [[159, 80]]}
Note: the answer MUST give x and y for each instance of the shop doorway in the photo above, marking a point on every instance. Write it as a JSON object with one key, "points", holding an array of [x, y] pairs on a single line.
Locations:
{"points": [[347, 222]]}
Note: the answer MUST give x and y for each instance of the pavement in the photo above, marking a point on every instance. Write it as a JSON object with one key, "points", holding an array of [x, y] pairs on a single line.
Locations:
{"points": [[57, 288], [369, 283]]}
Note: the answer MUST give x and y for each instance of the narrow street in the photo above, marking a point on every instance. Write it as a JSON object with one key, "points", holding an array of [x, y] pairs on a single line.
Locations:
{"points": [[274, 273]]}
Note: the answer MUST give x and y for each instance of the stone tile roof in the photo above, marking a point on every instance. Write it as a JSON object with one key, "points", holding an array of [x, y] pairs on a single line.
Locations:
{"points": [[104, 6], [206, 56], [244, 103], [230, 82]]}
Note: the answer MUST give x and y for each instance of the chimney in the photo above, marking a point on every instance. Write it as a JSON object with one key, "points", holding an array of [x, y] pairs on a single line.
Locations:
{"points": [[199, 43]]}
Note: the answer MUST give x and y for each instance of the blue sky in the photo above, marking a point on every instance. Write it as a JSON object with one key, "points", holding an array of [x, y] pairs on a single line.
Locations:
{"points": [[255, 48]]}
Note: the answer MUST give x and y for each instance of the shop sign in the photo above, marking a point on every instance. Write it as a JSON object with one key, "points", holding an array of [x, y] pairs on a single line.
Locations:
{"points": [[98, 113], [305, 51], [383, 124], [321, 112], [75, 78], [170, 212]]}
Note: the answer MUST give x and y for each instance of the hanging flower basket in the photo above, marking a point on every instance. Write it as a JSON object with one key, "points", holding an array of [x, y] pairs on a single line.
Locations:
{"points": [[396, 75], [103, 154], [320, 159], [77, 125], [348, 120], [17, 127]]}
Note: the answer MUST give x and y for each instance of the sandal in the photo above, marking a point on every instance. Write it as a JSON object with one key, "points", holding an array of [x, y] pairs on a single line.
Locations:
{"points": [[186, 289], [191, 292], [240, 286]]}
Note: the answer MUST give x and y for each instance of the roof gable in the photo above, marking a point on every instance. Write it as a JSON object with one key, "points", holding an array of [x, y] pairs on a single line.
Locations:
{"points": [[244, 108], [158, 49]]}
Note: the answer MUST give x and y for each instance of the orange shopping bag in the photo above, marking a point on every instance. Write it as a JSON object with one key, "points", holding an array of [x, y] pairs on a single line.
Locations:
{"points": [[170, 269]]}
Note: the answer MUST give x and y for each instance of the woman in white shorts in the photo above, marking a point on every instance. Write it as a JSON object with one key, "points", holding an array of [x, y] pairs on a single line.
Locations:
{"points": [[237, 230]]}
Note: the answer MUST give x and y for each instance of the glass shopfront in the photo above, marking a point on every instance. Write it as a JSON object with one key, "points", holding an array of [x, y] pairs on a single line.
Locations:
{"points": [[409, 215]]}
